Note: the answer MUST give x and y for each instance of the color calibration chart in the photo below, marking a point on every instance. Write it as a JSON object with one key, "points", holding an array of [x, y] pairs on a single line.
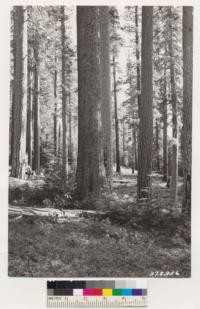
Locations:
{"points": [[97, 293]]}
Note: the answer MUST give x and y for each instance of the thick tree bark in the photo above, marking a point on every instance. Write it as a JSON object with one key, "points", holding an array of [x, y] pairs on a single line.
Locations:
{"points": [[20, 94], [165, 125], [36, 109], [133, 149], [123, 142], [138, 89], [133, 131], [169, 167], [174, 154], [11, 129], [12, 96], [118, 167], [59, 141], [105, 89], [136, 149], [137, 44], [64, 107], [146, 107], [89, 103], [187, 105], [29, 135], [157, 147], [70, 148], [55, 116]]}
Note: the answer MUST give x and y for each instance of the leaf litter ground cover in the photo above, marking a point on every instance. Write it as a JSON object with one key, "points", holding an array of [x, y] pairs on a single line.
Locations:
{"points": [[129, 239]]}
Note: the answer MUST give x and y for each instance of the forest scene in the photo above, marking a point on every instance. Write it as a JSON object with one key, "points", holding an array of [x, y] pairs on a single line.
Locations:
{"points": [[100, 141]]}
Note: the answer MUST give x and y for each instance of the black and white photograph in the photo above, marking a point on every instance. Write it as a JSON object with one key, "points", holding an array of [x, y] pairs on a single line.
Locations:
{"points": [[100, 141]]}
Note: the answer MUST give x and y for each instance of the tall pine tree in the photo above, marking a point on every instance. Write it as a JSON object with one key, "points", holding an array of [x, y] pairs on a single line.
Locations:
{"points": [[146, 107], [187, 105], [89, 103], [19, 93]]}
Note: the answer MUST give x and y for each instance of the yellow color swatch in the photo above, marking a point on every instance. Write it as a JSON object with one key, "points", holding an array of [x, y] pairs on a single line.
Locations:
{"points": [[107, 292]]}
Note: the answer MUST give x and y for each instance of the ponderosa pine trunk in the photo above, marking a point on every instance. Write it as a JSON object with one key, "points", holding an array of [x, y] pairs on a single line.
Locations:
{"points": [[165, 125], [138, 88], [133, 151], [20, 94], [105, 89], [118, 167], [157, 147], [64, 107], [89, 103], [59, 141], [146, 107], [36, 110], [29, 133], [136, 149], [123, 143], [174, 152], [137, 44], [187, 105], [133, 145], [55, 116], [11, 128], [70, 148]]}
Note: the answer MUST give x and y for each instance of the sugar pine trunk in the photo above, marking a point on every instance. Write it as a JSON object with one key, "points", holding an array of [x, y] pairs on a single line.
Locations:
{"points": [[89, 103], [146, 107], [19, 94], [187, 105]]}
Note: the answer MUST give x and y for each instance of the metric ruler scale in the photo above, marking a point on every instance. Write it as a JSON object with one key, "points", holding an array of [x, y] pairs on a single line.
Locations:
{"points": [[102, 294]]}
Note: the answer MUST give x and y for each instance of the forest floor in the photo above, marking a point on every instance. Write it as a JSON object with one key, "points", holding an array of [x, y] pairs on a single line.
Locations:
{"points": [[129, 239]]}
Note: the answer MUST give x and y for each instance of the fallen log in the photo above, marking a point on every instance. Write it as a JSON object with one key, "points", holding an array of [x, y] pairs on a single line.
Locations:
{"points": [[60, 215], [123, 181], [31, 192]]}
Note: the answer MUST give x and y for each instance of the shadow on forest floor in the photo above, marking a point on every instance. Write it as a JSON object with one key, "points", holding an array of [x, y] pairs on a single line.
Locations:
{"points": [[130, 239]]}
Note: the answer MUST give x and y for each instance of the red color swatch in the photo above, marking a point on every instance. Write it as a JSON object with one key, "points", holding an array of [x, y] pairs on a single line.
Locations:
{"points": [[92, 292]]}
